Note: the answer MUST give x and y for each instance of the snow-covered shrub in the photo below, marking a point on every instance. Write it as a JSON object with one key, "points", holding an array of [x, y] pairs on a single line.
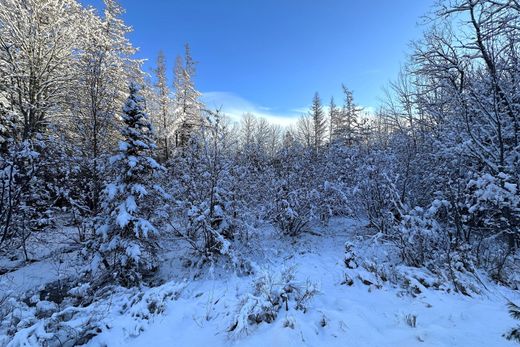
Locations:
{"points": [[449, 237], [336, 180], [315, 201], [350, 259], [450, 270], [457, 276], [290, 213], [17, 166], [271, 294], [69, 327], [330, 201], [492, 212], [411, 320], [362, 270], [16, 315], [46, 325], [419, 236], [152, 302], [375, 192], [44, 318], [461, 270], [24, 198], [206, 182], [297, 191], [143, 306], [35, 322]]}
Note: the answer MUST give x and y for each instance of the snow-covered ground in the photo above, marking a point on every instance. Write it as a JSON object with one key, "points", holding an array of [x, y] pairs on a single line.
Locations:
{"points": [[54, 257], [200, 310]]}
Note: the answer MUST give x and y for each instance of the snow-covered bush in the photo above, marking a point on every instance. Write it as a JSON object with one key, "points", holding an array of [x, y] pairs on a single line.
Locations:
{"points": [[69, 327], [475, 228], [206, 185], [419, 236], [28, 196], [17, 174], [290, 213], [16, 316], [143, 306], [450, 270], [272, 292], [330, 201], [492, 212], [375, 193], [294, 200], [351, 257], [34, 322]]}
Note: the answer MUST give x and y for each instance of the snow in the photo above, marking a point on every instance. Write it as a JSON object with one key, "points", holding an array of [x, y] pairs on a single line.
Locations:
{"points": [[141, 144], [131, 206], [339, 315], [123, 217], [112, 190], [133, 251], [145, 227], [33, 275], [132, 161], [139, 189], [512, 188], [54, 257], [123, 146], [199, 307]]}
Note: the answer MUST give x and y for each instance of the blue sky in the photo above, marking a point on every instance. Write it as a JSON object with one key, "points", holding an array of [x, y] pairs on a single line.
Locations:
{"points": [[270, 56]]}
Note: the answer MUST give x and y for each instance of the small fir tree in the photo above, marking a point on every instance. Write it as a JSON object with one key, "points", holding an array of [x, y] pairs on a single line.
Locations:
{"points": [[127, 246]]}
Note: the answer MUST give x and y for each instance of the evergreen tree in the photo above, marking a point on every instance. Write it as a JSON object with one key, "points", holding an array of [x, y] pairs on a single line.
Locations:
{"points": [[126, 237], [348, 127], [333, 119], [318, 120]]}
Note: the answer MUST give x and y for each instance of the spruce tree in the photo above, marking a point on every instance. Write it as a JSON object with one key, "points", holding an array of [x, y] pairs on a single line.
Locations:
{"points": [[348, 126], [126, 245], [333, 119], [318, 120]]}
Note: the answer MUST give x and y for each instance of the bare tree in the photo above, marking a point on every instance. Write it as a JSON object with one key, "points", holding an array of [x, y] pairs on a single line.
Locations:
{"points": [[37, 41], [164, 122]]}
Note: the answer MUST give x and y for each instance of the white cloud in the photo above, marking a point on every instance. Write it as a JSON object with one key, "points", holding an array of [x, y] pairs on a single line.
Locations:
{"points": [[235, 106]]}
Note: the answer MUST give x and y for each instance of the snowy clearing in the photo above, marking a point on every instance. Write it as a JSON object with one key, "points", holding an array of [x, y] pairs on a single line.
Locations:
{"points": [[201, 310], [339, 315]]}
